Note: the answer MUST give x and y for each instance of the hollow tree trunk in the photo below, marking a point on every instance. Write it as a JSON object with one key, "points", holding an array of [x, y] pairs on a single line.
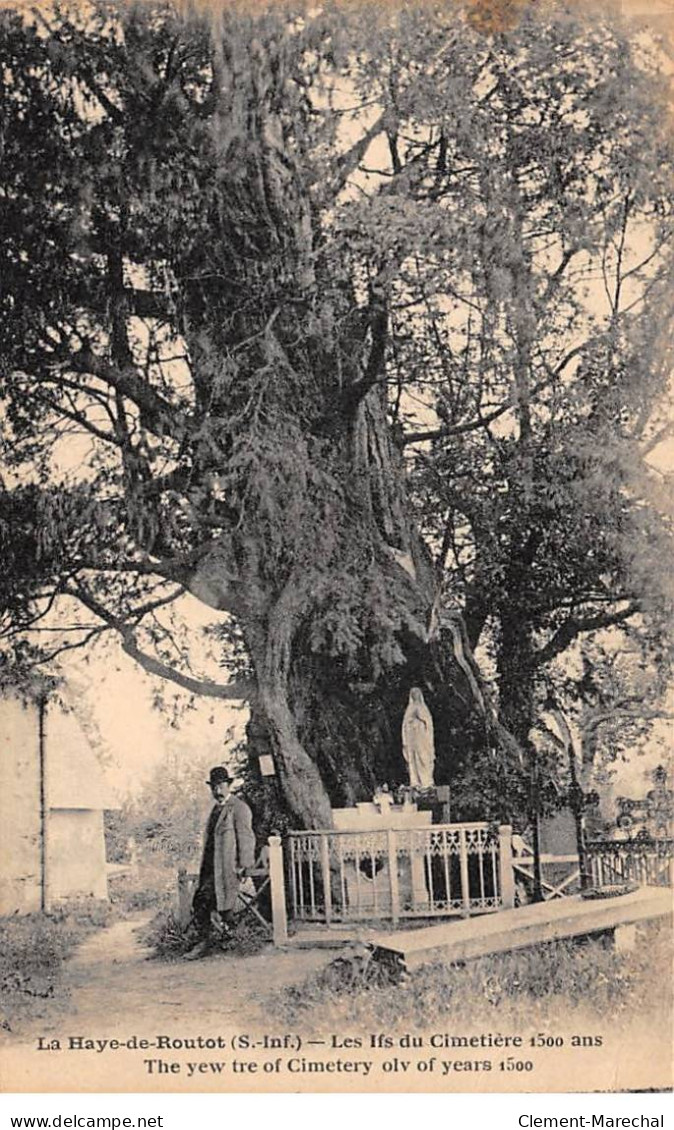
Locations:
{"points": [[271, 651], [303, 788], [332, 722], [334, 587]]}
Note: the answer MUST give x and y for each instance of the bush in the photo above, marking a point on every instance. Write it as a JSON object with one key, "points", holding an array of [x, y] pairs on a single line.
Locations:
{"points": [[171, 941], [166, 937], [518, 988]]}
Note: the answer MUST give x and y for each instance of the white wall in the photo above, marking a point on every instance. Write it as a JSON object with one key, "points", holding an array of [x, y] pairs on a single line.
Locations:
{"points": [[77, 853], [20, 849], [74, 846]]}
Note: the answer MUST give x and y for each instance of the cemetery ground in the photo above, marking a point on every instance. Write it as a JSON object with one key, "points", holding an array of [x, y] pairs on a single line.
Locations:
{"points": [[91, 970]]}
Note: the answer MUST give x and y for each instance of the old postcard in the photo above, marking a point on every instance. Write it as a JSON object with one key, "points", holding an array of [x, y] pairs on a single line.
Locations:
{"points": [[336, 528]]}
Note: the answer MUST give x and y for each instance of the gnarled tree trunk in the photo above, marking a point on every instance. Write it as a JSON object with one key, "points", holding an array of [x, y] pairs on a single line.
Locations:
{"points": [[331, 721]]}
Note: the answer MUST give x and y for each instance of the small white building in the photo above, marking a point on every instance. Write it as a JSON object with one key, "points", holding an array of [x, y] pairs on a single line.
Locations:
{"points": [[52, 798]]}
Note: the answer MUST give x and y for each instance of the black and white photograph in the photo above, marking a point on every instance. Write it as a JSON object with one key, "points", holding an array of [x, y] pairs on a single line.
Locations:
{"points": [[336, 546]]}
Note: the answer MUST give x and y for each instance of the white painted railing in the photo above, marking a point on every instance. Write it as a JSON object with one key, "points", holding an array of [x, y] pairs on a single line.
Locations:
{"points": [[647, 862], [438, 871]]}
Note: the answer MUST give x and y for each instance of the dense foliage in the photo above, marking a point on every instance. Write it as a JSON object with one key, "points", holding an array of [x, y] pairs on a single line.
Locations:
{"points": [[341, 321]]}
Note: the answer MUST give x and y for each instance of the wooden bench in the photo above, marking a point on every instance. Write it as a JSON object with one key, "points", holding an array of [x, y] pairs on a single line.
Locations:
{"points": [[525, 926]]}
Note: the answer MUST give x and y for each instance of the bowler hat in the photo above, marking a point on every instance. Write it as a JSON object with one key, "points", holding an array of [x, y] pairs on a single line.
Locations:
{"points": [[218, 775]]}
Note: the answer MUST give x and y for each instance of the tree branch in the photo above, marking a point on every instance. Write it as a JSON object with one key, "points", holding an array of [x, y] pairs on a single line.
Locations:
{"points": [[625, 709], [114, 112], [459, 429], [139, 302], [349, 161], [157, 414], [151, 664], [240, 689], [91, 634], [556, 277], [573, 627], [77, 418], [660, 436]]}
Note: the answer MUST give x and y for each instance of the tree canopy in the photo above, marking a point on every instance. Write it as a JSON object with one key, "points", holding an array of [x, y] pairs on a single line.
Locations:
{"points": [[350, 322]]}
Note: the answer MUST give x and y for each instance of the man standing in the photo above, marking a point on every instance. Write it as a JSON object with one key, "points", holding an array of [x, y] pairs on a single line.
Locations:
{"points": [[228, 855]]}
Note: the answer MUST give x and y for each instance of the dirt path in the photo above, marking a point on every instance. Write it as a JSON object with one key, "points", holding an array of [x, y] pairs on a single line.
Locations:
{"points": [[113, 980], [189, 1017], [118, 992]]}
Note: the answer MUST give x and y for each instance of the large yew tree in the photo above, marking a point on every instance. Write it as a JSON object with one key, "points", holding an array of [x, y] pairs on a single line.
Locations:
{"points": [[230, 241]]}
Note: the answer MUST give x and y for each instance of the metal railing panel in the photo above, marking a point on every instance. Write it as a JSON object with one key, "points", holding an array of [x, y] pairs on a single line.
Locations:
{"points": [[649, 862], [437, 871]]}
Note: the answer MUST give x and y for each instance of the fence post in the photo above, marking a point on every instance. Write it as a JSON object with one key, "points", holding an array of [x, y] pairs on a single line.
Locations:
{"points": [[505, 863], [325, 872], [463, 863], [393, 875], [278, 891], [184, 901]]}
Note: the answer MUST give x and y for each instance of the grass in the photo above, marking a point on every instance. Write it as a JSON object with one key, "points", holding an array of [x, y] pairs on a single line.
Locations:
{"points": [[522, 988], [33, 950], [35, 947]]}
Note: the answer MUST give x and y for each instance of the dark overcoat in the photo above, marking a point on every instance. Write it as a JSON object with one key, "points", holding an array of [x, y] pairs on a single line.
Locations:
{"points": [[233, 850]]}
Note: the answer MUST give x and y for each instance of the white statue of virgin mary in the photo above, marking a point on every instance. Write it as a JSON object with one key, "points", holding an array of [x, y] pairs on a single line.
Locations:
{"points": [[418, 741]]}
